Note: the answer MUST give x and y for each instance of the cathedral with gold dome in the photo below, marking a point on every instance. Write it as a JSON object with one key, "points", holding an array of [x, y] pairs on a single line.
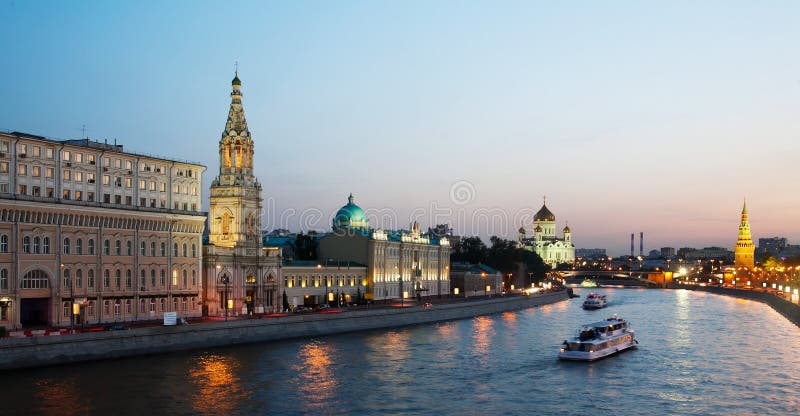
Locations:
{"points": [[553, 250]]}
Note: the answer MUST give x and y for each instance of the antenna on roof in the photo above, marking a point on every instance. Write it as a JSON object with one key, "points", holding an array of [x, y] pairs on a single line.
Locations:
{"points": [[83, 131]]}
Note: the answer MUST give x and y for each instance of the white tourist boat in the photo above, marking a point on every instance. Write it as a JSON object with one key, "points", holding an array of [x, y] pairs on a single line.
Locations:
{"points": [[595, 301], [599, 340]]}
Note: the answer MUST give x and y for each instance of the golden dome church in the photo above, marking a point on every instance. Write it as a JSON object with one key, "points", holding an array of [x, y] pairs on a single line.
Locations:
{"points": [[554, 250]]}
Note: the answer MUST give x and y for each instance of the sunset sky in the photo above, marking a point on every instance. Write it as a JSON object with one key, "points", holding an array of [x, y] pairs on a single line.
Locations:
{"points": [[629, 116]]}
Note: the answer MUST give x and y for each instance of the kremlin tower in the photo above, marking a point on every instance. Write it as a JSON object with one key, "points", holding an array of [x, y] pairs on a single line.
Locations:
{"points": [[744, 249]]}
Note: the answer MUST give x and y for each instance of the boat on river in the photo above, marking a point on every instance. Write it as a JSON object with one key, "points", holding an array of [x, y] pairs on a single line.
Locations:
{"points": [[599, 340], [595, 301], [588, 283]]}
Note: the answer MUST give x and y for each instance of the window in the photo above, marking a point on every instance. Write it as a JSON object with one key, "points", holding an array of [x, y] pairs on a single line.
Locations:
{"points": [[90, 177], [128, 279], [142, 184], [22, 148], [194, 278], [78, 195], [106, 180], [79, 278], [66, 194], [162, 186], [106, 161], [129, 247], [3, 243], [163, 249], [37, 243], [66, 245], [67, 174], [67, 282], [194, 250], [90, 308], [79, 157], [78, 176], [90, 159], [142, 248], [78, 246], [128, 182], [106, 308], [185, 279], [163, 278], [184, 250], [3, 167], [48, 153], [48, 172], [26, 244], [23, 189], [106, 278], [152, 305], [153, 248], [37, 151], [143, 280], [153, 278], [46, 245], [90, 196], [117, 163], [36, 171], [175, 250], [4, 188], [65, 309], [22, 169], [128, 306], [118, 278], [67, 156], [152, 185], [128, 165], [107, 247], [90, 278], [90, 246], [3, 279], [35, 279]]}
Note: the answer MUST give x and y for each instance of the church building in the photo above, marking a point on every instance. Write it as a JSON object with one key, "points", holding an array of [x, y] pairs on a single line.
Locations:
{"points": [[240, 276], [554, 250]]}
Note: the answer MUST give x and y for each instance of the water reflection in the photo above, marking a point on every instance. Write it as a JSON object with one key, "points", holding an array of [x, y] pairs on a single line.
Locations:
{"points": [[59, 397], [316, 377], [482, 334], [218, 389]]}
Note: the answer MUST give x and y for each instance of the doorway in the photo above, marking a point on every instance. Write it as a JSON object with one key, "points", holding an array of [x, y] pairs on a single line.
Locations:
{"points": [[34, 311]]}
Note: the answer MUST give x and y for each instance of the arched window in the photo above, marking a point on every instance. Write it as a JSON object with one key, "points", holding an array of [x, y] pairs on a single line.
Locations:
{"points": [[37, 245], [185, 279], [143, 282], [153, 248], [66, 245], [90, 278], [35, 279], [118, 278], [153, 277], [67, 282], [106, 278], [3, 243], [3, 279], [175, 250], [26, 244], [118, 247], [107, 247], [90, 246], [184, 249], [194, 278], [143, 248], [194, 250], [46, 245], [129, 247], [79, 278], [163, 249], [163, 278], [78, 246], [128, 279]]}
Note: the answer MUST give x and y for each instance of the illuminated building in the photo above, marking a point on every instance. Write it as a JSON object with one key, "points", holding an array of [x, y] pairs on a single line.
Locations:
{"points": [[744, 249], [240, 275], [90, 233], [399, 263], [552, 249]]}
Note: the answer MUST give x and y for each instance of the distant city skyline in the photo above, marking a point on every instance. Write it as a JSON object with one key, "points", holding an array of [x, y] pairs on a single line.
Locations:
{"points": [[654, 118]]}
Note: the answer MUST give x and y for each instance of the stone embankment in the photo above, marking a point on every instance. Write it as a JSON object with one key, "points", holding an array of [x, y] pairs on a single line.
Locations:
{"points": [[788, 309], [43, 351]]}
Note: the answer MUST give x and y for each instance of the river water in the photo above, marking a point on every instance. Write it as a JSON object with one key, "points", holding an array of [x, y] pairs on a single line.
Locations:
{"points": [[699, 353]]}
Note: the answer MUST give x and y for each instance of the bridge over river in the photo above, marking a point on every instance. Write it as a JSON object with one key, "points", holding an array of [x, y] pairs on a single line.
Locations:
{"points": [[610, 278]]}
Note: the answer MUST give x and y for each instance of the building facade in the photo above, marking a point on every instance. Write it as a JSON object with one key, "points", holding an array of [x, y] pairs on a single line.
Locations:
{"points": [[240, 275], [92, 234], [744, 249], [400, 264], [314, 283], [553, 250]]}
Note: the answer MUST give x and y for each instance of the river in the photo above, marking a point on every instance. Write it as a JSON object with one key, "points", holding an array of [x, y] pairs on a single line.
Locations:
{"points": [[699, 353]]}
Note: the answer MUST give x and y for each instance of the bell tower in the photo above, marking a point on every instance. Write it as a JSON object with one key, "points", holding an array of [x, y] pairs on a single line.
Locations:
{"points": [[235, 198], [744, 249]]}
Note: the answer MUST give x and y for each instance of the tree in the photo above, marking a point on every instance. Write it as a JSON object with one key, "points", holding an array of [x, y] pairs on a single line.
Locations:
{"points": [[469, 250], [285, 301], [305, 247]]}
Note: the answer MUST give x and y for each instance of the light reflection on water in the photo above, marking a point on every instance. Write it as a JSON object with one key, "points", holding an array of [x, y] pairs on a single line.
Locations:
{"points": [[699, 354]]}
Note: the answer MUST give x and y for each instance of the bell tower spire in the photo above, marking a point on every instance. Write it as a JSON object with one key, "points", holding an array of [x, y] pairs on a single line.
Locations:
{"points": [[235, 200]]}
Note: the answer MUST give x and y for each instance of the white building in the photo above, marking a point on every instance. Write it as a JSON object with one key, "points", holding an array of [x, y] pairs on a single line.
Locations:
{"points": [[546, 243]]}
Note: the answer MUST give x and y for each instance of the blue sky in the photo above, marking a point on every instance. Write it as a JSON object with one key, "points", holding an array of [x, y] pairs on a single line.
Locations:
{"points": [[630, 116]]}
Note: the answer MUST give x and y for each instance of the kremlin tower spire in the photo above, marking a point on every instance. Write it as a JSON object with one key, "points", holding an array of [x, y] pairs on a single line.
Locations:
{"points": [[744, 249]]}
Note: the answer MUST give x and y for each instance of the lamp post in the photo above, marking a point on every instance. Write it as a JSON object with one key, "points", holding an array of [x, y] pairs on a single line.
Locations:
{"points": [[224, 280]]}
